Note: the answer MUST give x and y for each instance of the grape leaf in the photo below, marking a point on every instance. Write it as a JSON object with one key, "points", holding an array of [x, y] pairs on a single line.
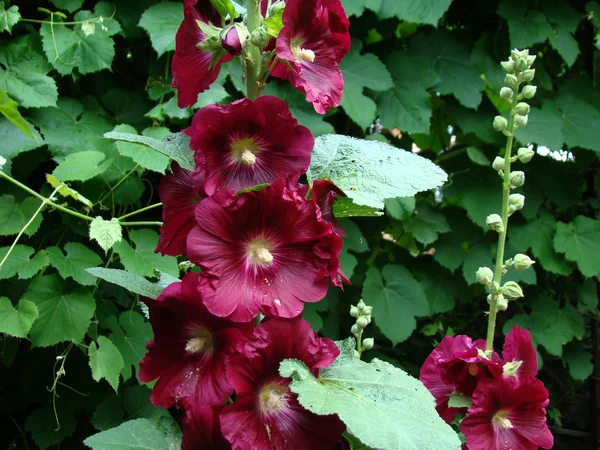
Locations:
{"points": [[415, 11], [105, 361], [130, 336], [142, 260], [67, 191], [579, 122], [17, 321], [426, 224], [105, 232], [14, 216], [9, 17], [161, 22], [62, 316], [397, 298], [68, 5], [15, 142], [73, 265], [400, 208], [8, 108], [82, 166], [371, 171], [380, 404], [579, 240], [20, 262], [148, 434], [524, 27]]}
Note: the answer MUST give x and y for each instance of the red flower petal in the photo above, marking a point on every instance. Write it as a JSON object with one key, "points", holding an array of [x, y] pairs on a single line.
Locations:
{"points": [[202, 430], [189, 349], [518, 347], [249, 143], [325, 194], [266, 414], [267, 251]]}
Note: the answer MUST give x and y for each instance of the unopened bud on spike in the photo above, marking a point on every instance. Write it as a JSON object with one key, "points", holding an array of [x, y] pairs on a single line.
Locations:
{"points": [[368, 343], [511, 290], [528, 91], [354, 312], [528, 74], [494, 222], [522, 262], [500, 123], [525, 154], [517, 179], [511, 81], [521, 121], [508, 66], [522, 109], [485, 276], [506, 93], [498, 163], [501, 303], [515, 203], [362, 322]]}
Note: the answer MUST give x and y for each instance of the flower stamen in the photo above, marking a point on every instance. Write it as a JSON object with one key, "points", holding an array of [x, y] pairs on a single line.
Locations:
{"points": [[500, 419], [248, 158], [258, 253], [272, 398], [202, 342], [244, 151], [303, 54]]}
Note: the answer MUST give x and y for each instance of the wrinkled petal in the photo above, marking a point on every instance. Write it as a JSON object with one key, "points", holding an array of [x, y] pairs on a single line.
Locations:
{"points": [[518, 347]]}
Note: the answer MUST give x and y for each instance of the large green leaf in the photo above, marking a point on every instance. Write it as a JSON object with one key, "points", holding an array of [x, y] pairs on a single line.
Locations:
{"points": [[24, 76], [524, 27], [14, 216], [158, 434], [17, 321], [130, 336], [380, 404], [357, 7], [162, 21], [371, 171], [426, 224], [176, 146], [20, 262], [544, 127], [82, 166], [143, 155], [142, 260], [73, 265], [415, 11], [359, 107], [580, 121], [133, 283], [105, 361], [9, 17], [397, 298], [62, 316], [579, 240]]}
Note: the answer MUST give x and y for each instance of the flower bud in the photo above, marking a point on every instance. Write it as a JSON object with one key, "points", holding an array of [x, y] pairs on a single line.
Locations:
{"points": [[506, 93], [484, 275], [522, 262], [521, 121], [494, 222], [528, 91], [528, 74], [508, 66], [259, 37], [362, 322], [511, 81], [517, 179], [521, 64], [516, 201], [355, 330], [354, 312], [511, 290], [275, 8], [368, 343], [501, 303], [525, 154], [367, 311], [500, 123], [360, 305], [522, 109], [230, 41], [515, 54], [498, 163], [2, 162], [530, 60]]}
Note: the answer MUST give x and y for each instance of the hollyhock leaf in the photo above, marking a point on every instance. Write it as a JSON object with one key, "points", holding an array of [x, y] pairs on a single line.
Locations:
{"points": [[142, 260], [578, 118], [21, 262], [62, 316], [441, 288], [380, 404], [150, 434], [68, 5], [525, 27], [105, 361], [143, 155], [360, 108], [579, 240], [587, 298], [357, 7], [161, 22], [17, 321], [14, 216], [105, 232], [176, 146], [8, 107], [544, 127], [131, 282], [24, 76], [400, 208], [73, 265], [459, 401], [415, 11], [130, 337], [354, 239], [579, 363], [82, 166], [426, 224], [9, 17], [407, 106], [136, 401], [345, 207], [396, 298], [371, 171], [15, 142], [41, 423]]}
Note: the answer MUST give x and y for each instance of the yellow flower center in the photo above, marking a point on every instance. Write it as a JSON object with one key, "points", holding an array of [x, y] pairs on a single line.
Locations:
{"points": [[244, 150], [202, 342], [258, 252], [272, 398], [301, 54], [500, 419]]}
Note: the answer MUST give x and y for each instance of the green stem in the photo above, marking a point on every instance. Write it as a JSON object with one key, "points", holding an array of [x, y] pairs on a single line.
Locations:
{"points": [[156, 205], [125, 224], [113, 188], [489, 344], [44, 199], [253, 65]]}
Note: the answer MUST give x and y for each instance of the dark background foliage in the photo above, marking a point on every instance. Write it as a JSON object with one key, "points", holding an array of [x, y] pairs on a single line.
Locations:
{"points": [[423, 75]]}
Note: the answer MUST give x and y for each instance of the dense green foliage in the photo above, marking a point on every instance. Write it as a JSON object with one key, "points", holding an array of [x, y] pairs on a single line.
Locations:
{"points": [[428, 70]]}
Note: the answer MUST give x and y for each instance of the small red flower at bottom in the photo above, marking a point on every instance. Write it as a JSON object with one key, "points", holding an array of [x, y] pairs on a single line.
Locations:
{"points": [[507, 415], [190, 348], [201, 429], [266, 414]]}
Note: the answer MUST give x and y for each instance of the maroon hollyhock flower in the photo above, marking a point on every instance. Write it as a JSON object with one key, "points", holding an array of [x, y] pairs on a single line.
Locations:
{"points": [[179, 196], [231, 42], [507, 415], [266, 414], [313, 41], [518, 349], [189, 349], [248, 143], [325, 194], [456, 364], [202, 430], [198, 57], [267, 250]]}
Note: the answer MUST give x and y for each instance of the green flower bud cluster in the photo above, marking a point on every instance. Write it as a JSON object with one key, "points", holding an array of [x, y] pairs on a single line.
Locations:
{"points": [[485, 276], [362, 313], [494, 222], [515, 203]]}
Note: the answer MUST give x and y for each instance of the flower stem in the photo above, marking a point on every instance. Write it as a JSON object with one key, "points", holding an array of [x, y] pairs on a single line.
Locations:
{"points": [[125, 224], [254, 63], [156, 205], [502, 234]]}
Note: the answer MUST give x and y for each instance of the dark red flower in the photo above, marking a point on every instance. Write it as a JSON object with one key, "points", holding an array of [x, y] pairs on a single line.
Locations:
{"points": [[325, 194], [202, 430], [267, 251], [457, 364], [179, 196], [248, 143], [198, 58], [518, 347], [189, 349], [507, 415], [313, 41], [231, 42], [266, 414]]}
